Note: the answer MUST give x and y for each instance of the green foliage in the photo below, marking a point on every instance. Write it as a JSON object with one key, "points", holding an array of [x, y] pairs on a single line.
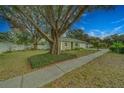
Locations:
{"points": [[4, 36], [46, 59], [23, 38], [77, 34], [20, 37], [109, 40], [117, 47], [118, 44], [96, 42]]}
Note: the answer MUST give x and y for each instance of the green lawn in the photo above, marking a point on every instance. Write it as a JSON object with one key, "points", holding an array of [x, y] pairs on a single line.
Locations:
{"points": [[105, 71], [16, 63]]}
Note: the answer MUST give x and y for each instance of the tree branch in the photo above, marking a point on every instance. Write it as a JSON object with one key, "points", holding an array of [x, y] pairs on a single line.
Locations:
{"points": [[35, 25]]}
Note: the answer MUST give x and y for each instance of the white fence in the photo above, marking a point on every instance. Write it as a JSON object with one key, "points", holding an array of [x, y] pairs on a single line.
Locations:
{"points": [[7, 46]]}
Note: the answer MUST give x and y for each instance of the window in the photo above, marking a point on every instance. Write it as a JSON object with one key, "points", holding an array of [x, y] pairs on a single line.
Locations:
{"points": [[65, 44], [76, 44]]}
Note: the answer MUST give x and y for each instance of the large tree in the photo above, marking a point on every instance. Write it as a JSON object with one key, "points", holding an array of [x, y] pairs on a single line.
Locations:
{"points": [[17, 21], [55, 20]]}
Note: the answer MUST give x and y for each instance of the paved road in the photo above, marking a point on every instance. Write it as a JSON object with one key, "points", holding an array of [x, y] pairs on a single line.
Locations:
{"points": [[50, 73]]}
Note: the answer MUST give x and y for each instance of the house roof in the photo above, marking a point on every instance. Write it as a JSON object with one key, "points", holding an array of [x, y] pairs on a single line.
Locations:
{"points": [[72, 40]]}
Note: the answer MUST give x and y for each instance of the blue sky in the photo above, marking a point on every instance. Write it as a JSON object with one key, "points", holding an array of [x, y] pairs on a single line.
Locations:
{"points": [[4, 26], [99, 23]]}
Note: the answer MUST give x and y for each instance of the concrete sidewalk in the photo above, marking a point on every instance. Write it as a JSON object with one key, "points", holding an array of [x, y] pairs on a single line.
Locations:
{"points": [[50, 73]]}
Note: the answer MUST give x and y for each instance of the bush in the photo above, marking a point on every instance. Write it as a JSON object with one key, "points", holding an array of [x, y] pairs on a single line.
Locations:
{"points": [[117, 47], [46, 59], [117, 50]]}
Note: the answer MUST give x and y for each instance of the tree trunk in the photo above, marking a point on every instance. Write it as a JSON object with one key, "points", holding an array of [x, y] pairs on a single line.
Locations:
{"points": [[35, 46], [55, 45], [35, 41]]}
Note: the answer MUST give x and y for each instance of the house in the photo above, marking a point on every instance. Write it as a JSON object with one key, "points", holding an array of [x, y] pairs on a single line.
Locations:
{"points": [[66, 44], [69, 43]]}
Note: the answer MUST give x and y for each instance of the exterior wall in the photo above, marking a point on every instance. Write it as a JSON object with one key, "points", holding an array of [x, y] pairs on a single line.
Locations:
{"points": [[90, 45], [68, 46], [65, 45], [83, 45], [46, 46], [76, 45], [7, 46]]}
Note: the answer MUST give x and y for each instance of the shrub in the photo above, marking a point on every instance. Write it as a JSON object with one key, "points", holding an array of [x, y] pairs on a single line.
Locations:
{"points": [[46, 59], [117, 47]]}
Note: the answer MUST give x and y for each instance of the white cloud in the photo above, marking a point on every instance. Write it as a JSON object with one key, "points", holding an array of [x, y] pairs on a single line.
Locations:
{"points": [[85, 14], [102, 33], [96, 30], [118, 28], [98, 33], [118, 21], [92, 33], [82, 28]]}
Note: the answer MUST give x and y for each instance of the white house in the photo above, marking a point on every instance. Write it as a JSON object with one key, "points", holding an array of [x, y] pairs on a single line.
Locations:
{"points": [[69, 43]]}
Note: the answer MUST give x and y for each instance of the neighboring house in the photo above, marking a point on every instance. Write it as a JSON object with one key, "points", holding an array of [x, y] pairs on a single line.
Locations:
{"points": [[69, 43], [65, 43], [8, 46], [43, 44]]}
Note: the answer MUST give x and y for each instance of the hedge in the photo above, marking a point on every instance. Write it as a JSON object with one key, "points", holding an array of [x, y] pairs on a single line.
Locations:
{"points": [[117, 50], [42, 60]]}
